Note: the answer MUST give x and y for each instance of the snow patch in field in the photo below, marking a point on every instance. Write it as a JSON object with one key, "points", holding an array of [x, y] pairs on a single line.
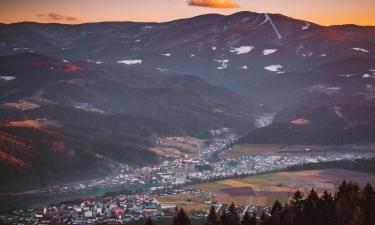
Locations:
{"points": [[323, 55], [244, 67], [138, 40], [361, 50], [130, 61], [98, 62], [242, 50], [269, 51], [224, 63], [7, 78], [213, 48], [192, 55], [274, 68], [306, 27], [65, 61], [167, 54]]}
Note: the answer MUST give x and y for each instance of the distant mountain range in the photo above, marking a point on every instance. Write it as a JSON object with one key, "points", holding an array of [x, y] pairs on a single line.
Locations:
{"points": [[98, 94]]}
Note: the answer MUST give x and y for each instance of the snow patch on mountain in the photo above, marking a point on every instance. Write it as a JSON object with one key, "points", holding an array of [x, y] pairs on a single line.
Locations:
{"points": [[347, 75], [242, 50], [130, 61], [213, 48], [268, 19], [244, 67], [166, 54], [224, 63], [16, 49], [361, 50], [162, 69], [192, 55], [269, 51], [306, 26], [368, 76], [264, 120], [300, 121], [274, 68], [7, 78], [323, 89]]}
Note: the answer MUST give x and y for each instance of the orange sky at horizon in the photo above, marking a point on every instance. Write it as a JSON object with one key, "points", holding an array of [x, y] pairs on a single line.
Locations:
{"points": [[324, 12]]}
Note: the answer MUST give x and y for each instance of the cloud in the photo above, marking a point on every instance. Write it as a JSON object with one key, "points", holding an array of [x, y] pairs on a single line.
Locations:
{"points": [[56, 16], [214, 3], [70, 18]]}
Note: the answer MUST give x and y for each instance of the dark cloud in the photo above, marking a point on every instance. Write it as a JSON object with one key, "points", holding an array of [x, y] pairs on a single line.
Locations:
{"points": [[56, 16], [214, 3], [70, 18]]}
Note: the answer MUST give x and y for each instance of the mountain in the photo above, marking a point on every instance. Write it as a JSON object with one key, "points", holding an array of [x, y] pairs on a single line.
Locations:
{"points": [[95, 117], [104, 92]]}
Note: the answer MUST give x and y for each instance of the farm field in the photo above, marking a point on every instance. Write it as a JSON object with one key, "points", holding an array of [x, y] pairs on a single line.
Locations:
{"points": [[177, 145], [263, 190], [188, 202]]}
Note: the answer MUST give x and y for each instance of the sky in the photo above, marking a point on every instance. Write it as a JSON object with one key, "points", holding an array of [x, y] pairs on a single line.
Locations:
{"points": [[324, 12]]}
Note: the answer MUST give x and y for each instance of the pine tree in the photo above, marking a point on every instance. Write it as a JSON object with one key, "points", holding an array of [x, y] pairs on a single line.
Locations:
{"points": [[233, 217], [149, 222], [224, 219], [212, 218], [263, 219], [245, 219], [253, 220], [310, 206], [276, 213], [181, 218], [368, 205]]}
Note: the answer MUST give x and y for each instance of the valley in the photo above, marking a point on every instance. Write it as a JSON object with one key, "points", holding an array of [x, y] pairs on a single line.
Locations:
{"points": [[113, 122]]}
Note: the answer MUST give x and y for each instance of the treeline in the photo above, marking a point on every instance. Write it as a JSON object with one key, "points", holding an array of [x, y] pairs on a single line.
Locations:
{"points": [[290, 134], [361, 165], [350, 205]]}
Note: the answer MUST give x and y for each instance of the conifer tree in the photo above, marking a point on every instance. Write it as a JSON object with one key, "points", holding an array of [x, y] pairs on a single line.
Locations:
{"points": [[149, 222], [181, 218], [245, 219], [233, 217], [212, 218]]}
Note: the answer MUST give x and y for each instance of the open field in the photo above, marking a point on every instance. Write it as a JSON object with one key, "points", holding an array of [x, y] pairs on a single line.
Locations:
{"points": [[165, 151], [265, 189], [187, 145], [188, 202]]}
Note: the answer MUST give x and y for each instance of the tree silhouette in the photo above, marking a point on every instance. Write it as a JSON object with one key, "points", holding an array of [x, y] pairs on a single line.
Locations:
{"points": [[181, 218], [149, 222], [212, 218]]}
